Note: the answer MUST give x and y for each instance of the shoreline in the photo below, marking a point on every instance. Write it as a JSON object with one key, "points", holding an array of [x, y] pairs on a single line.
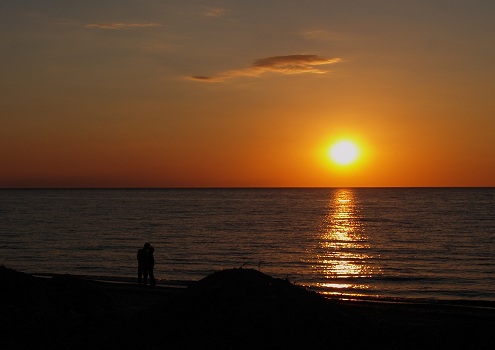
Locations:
{"points": [[181, 284]]}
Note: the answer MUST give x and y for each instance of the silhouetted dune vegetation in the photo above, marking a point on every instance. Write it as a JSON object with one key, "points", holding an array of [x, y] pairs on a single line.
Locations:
{"points": [[230, 309]]}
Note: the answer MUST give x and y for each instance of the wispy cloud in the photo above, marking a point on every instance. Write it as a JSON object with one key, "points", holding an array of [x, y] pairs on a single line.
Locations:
{"points": [[215, 12], [321, 35], [119, 26], [291, 64]]}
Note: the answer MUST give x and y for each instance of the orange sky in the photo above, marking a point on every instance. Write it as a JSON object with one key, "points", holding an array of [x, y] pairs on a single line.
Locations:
{"points": [[242, 94]]}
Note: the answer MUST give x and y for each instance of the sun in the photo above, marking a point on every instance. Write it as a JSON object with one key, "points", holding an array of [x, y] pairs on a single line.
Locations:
{"points": [[344, 152]]}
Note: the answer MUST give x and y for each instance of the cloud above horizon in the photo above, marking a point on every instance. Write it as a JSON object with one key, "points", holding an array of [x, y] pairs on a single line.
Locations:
{"points": [[290, 64], [322, 35], [119, 26], [215, 12]]}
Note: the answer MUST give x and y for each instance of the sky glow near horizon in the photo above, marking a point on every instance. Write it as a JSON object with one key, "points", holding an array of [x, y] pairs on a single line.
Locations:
{"points": [[240, 93]]}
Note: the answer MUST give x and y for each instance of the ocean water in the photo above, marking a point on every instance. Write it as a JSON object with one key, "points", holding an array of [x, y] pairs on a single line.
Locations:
{"points": [[436, 243]]}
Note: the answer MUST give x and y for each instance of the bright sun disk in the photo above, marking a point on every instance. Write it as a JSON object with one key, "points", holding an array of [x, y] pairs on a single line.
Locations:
{"points": [[344, 152]]}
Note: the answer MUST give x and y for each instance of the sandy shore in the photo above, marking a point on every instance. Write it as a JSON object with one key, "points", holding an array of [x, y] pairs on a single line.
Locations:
{"points": [[231, 309]]}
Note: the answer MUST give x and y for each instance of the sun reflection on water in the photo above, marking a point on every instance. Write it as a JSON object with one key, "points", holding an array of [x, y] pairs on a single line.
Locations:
{"points": [[343, 252]]}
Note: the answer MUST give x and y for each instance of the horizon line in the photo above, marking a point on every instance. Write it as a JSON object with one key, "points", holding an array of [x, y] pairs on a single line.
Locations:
{"points": [[239, 187]]}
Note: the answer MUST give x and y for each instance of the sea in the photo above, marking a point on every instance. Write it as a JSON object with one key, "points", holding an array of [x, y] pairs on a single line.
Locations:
{"points": [[389, 243]]}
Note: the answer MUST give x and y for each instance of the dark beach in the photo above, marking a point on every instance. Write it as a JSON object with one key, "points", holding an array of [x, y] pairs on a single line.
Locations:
{"points": [[230, 309]]}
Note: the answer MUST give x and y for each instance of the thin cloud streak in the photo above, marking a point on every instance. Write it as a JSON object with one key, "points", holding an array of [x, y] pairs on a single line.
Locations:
{"points": [[119, 26], [322, 35], [215, 12], [290, 64]]}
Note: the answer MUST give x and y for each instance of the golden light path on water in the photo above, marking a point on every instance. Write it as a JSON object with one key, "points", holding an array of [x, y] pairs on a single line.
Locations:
{"points": [[343, 246]]}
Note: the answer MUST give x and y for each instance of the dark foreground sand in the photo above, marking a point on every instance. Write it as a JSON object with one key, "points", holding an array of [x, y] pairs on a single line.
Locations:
{"points": [[231, 309]]}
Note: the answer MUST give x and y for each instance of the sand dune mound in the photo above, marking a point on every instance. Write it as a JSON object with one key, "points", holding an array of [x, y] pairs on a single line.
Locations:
{"points": [[20, 289], [60, 292], [247, 283], [244, 308], [258, 297]]}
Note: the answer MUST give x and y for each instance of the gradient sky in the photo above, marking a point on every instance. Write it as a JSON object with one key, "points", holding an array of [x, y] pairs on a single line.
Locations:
{"points": [[185, 93]]}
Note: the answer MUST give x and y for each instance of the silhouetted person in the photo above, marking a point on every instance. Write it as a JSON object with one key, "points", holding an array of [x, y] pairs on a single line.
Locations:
{"points": [[151, 265], [143, 264]]}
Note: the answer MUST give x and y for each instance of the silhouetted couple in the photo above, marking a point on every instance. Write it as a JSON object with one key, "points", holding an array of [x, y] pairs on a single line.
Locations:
{"points": [[146, 263]]}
